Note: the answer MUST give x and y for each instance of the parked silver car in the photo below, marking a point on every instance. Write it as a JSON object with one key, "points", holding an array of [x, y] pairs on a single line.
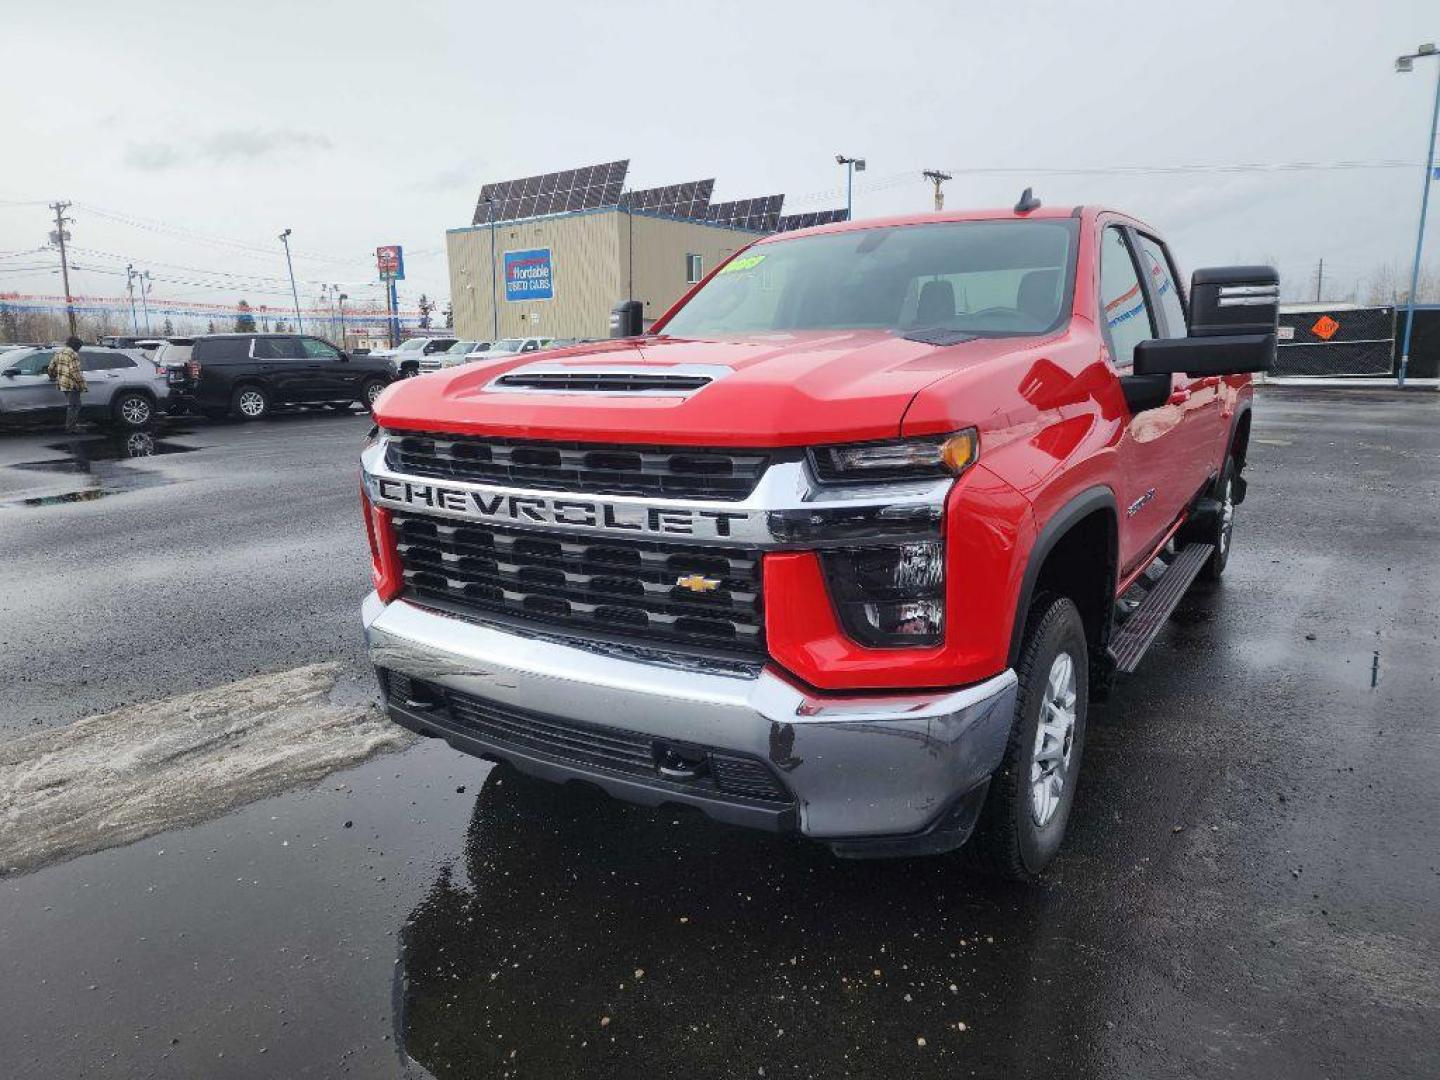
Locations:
{"points": [[124, 387]]}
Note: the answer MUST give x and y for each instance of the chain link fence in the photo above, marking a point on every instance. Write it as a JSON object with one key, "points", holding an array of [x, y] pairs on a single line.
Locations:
{"points": [[1342, 341]]}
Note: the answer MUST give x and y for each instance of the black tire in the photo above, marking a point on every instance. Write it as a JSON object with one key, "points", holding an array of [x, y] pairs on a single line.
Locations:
{"points": [[1010, 839], [250, 402], [1221, 532], [132, 410], [370, 391]]}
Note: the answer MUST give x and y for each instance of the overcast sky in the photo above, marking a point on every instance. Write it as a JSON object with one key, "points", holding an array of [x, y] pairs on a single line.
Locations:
{"points": [[208, 128]]}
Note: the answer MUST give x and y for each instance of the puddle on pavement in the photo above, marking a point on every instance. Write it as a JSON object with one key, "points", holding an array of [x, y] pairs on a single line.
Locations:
{"points": [[103, 460], [81, 453]]}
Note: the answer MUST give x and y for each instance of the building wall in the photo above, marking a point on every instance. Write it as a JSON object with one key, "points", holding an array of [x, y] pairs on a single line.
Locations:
{"points": [[590, 259], [584, 265], [661, 245]]}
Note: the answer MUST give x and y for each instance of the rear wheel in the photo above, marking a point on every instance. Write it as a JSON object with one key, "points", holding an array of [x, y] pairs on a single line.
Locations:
{"points": [[250, 403], [1220, 533], [1028, 804], [370, 391], [132, 409]]}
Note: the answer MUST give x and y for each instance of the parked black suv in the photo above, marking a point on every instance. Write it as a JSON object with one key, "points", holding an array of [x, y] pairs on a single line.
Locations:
{"points": [[246, 375]]}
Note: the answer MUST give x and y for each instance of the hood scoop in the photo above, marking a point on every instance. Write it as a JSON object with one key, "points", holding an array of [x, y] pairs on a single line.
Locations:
{"points": [[646, 380]]}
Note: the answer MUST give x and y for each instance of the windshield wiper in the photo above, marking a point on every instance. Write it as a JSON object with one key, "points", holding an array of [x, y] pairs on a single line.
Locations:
{"points": [[938, 335]]}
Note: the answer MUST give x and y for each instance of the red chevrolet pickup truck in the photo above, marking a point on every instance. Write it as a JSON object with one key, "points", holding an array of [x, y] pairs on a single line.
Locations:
{"points": [[844, 545]]}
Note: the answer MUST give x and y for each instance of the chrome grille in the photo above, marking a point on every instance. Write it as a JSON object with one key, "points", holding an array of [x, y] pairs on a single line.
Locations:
{"points": [[595, 586], [580, 467], [430, 363]]}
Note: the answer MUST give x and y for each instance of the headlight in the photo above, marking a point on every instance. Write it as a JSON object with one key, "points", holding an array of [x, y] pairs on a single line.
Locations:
{"points": [[901, 459], [889, 596]]}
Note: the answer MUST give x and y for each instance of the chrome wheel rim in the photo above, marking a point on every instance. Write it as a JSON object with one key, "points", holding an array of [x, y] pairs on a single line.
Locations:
{"points": [[1054, 741], [252, 402], [135, 411], [373, 391], [1227, 517]]}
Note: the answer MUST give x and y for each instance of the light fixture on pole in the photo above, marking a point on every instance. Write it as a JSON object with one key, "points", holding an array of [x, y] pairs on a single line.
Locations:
{"points": [[294, 292], [1407, 63], [852, 166]]}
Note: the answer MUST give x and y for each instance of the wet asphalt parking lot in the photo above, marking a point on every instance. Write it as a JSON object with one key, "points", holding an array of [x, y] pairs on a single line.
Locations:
{"points": [[1251, 886]]}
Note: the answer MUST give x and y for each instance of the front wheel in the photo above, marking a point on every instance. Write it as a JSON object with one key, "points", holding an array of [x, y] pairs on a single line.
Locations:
{"points": [[133, 410], [1028, 804], [250, 403]]}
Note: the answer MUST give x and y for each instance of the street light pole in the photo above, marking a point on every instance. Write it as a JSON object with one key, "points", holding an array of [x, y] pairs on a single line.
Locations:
{"points": [[1407, 63], [494, 296], [343, 297], [144, 298], [852, 166], [130, 277], [294, 292]]}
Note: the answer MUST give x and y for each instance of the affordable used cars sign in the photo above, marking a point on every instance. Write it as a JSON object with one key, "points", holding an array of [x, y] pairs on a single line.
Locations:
{"points": [[529, 275]]}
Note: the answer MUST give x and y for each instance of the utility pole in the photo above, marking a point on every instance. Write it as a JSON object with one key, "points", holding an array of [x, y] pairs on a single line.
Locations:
{"points": [[936, 177], [285, 239], [1319, 279], [342, 298], [59, 236], [130, 276]]}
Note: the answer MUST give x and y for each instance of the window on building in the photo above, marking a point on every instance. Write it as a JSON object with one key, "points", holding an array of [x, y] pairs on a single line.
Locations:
{"points": [[694, 268]]}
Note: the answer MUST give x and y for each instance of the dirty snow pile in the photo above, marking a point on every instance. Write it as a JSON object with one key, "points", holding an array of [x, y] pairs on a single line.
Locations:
{"points": [[118, 777]]}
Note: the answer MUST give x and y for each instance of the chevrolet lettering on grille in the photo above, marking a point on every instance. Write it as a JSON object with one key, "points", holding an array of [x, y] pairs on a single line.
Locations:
{"points": [[565, 511]]}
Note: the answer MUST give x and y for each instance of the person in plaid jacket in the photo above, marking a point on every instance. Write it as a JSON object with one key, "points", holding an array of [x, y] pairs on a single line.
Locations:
{"points": [[69, 379]]}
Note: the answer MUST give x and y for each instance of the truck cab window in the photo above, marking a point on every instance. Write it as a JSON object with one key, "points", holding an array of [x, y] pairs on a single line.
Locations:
{"points": [[1156, 261], [1126, 313]]}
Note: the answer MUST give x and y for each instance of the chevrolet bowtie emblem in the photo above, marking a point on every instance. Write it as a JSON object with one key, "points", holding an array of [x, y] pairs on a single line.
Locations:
{"points": [[697, 583]]}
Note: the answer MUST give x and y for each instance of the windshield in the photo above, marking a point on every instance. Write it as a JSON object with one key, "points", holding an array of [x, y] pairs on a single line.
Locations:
{"points": [[460, 348], [413, 345], [509, 344], [986, 278]]}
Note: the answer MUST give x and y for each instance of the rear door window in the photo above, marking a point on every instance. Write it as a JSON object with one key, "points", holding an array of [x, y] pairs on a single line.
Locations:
{"points": [[277, 348], [1125, 312], [98, 360]]}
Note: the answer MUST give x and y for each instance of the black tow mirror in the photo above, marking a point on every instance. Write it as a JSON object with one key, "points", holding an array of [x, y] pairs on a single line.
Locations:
{"points": [[10, 373], [1234, 315]]}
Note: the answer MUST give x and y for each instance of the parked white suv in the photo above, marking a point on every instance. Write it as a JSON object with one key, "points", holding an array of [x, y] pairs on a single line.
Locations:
{"points": [[508, 347]]}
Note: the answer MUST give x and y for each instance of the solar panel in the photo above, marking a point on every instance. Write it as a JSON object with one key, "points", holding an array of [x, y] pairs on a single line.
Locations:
{"points": [[791, 222], [552, 193], [756, 215], [688, 200]]}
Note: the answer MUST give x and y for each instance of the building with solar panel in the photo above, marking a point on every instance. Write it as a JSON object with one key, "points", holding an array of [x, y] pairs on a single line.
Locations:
{"points": [[558, 251]]}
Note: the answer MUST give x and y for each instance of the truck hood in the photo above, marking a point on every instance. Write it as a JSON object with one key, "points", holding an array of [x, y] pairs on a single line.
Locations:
{"points": [[770, 390]]}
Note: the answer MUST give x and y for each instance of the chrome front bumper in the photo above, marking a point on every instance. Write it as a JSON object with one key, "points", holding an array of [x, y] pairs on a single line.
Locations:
{"points": [[870, 774]]}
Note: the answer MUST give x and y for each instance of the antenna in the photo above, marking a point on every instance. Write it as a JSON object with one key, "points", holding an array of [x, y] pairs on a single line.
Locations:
{"points": [[1027, 202]]}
